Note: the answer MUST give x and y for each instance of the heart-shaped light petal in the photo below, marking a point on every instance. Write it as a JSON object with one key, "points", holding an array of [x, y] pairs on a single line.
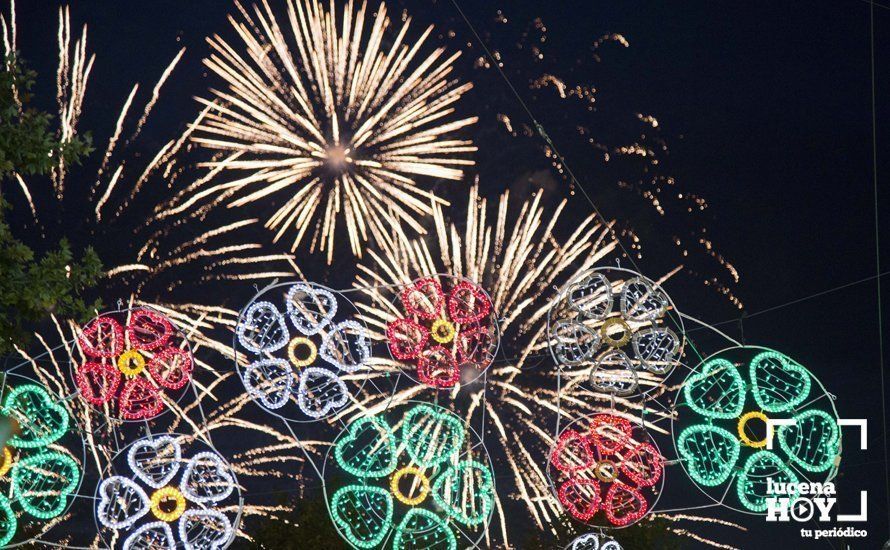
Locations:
{"points": [[102, 337], [310, 307], [640, 301], [346, 346], [716, 391], [269, 380], [204, 530], [367, 449], [624, 504], [574, 343], [812, 441], [121, 503], [8, 521], [171, 367], [406, 339], [423, 529], [156, 535], [97, 382], [363, 514], [320, 392], [643, 465], [572, 452], [424, 298], [206, 479], [148, 330], [467, 303], [436, 367], [155, 460], [476, 347], [751, 484], [592, 297], [581, 497], [140, 400], [778, 383], [709, 453], [614, 373], [261, 329], [657, 349], [40, 418], [432, 435], [43, 482], [466, 492], [610, 433]]}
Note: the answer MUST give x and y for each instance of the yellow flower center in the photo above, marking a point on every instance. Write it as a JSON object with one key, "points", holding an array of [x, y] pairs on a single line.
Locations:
{"points": [[167, 504], [131, 362], [442, 331], [615, 332], [743, 433], [606, 471], [301, 352], [419, 477], [7, 462]]}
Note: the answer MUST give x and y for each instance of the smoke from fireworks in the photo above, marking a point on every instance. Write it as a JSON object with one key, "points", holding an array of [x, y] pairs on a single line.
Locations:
{"points": [[327, 117]]}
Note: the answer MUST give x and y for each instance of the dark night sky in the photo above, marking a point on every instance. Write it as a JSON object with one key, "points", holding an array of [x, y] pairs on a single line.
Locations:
{"points": [[767, 110]]}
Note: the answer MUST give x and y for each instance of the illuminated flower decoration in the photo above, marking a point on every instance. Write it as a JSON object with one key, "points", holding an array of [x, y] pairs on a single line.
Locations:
{"points": [[607, 474], [730, 397], [419, 482], [594, 541], [301, 376], [132, 358], [165, 500], [442, 333], [38, 476], [611, 324]]}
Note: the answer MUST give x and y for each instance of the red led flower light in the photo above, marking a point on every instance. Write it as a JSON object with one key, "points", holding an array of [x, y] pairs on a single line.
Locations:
{"points": [[442, 333], [131, 366], [606, 469]]}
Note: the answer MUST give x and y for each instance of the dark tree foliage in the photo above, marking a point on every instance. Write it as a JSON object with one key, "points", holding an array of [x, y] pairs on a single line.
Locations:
{"points": [[28, 145], [32, 287]]}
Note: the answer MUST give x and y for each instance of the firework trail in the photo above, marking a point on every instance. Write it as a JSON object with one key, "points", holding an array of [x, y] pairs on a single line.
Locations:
{"points": [[154, 259], [332, 119]]}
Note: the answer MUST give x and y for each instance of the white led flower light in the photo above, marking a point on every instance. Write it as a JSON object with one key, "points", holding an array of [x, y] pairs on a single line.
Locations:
{"points": [[155, 460], [141, 509], [194, 531], [335, 347], [269, 380], [155, 536], [262, 328], [320, 392], [304, 300], [117, 495], [206, 479]]}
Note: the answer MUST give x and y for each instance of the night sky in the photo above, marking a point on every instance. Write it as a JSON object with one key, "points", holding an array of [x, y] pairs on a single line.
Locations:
{"points": [[766, 110]]}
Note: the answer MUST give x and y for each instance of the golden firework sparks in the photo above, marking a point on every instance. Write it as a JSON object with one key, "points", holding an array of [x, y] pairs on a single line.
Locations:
{"points": [[333, 116]]}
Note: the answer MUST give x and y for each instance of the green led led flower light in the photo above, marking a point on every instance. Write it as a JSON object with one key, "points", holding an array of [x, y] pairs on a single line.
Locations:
{"points": [[35, 481], [729, 398], [410, 478]]}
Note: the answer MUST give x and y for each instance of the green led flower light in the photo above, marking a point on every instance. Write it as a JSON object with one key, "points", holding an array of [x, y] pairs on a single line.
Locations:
{"points": [[410, 481], [38, 481], [731, 393]]}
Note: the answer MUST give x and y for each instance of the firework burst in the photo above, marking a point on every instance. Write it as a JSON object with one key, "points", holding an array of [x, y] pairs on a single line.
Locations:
{"points": [[333, 117]]}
